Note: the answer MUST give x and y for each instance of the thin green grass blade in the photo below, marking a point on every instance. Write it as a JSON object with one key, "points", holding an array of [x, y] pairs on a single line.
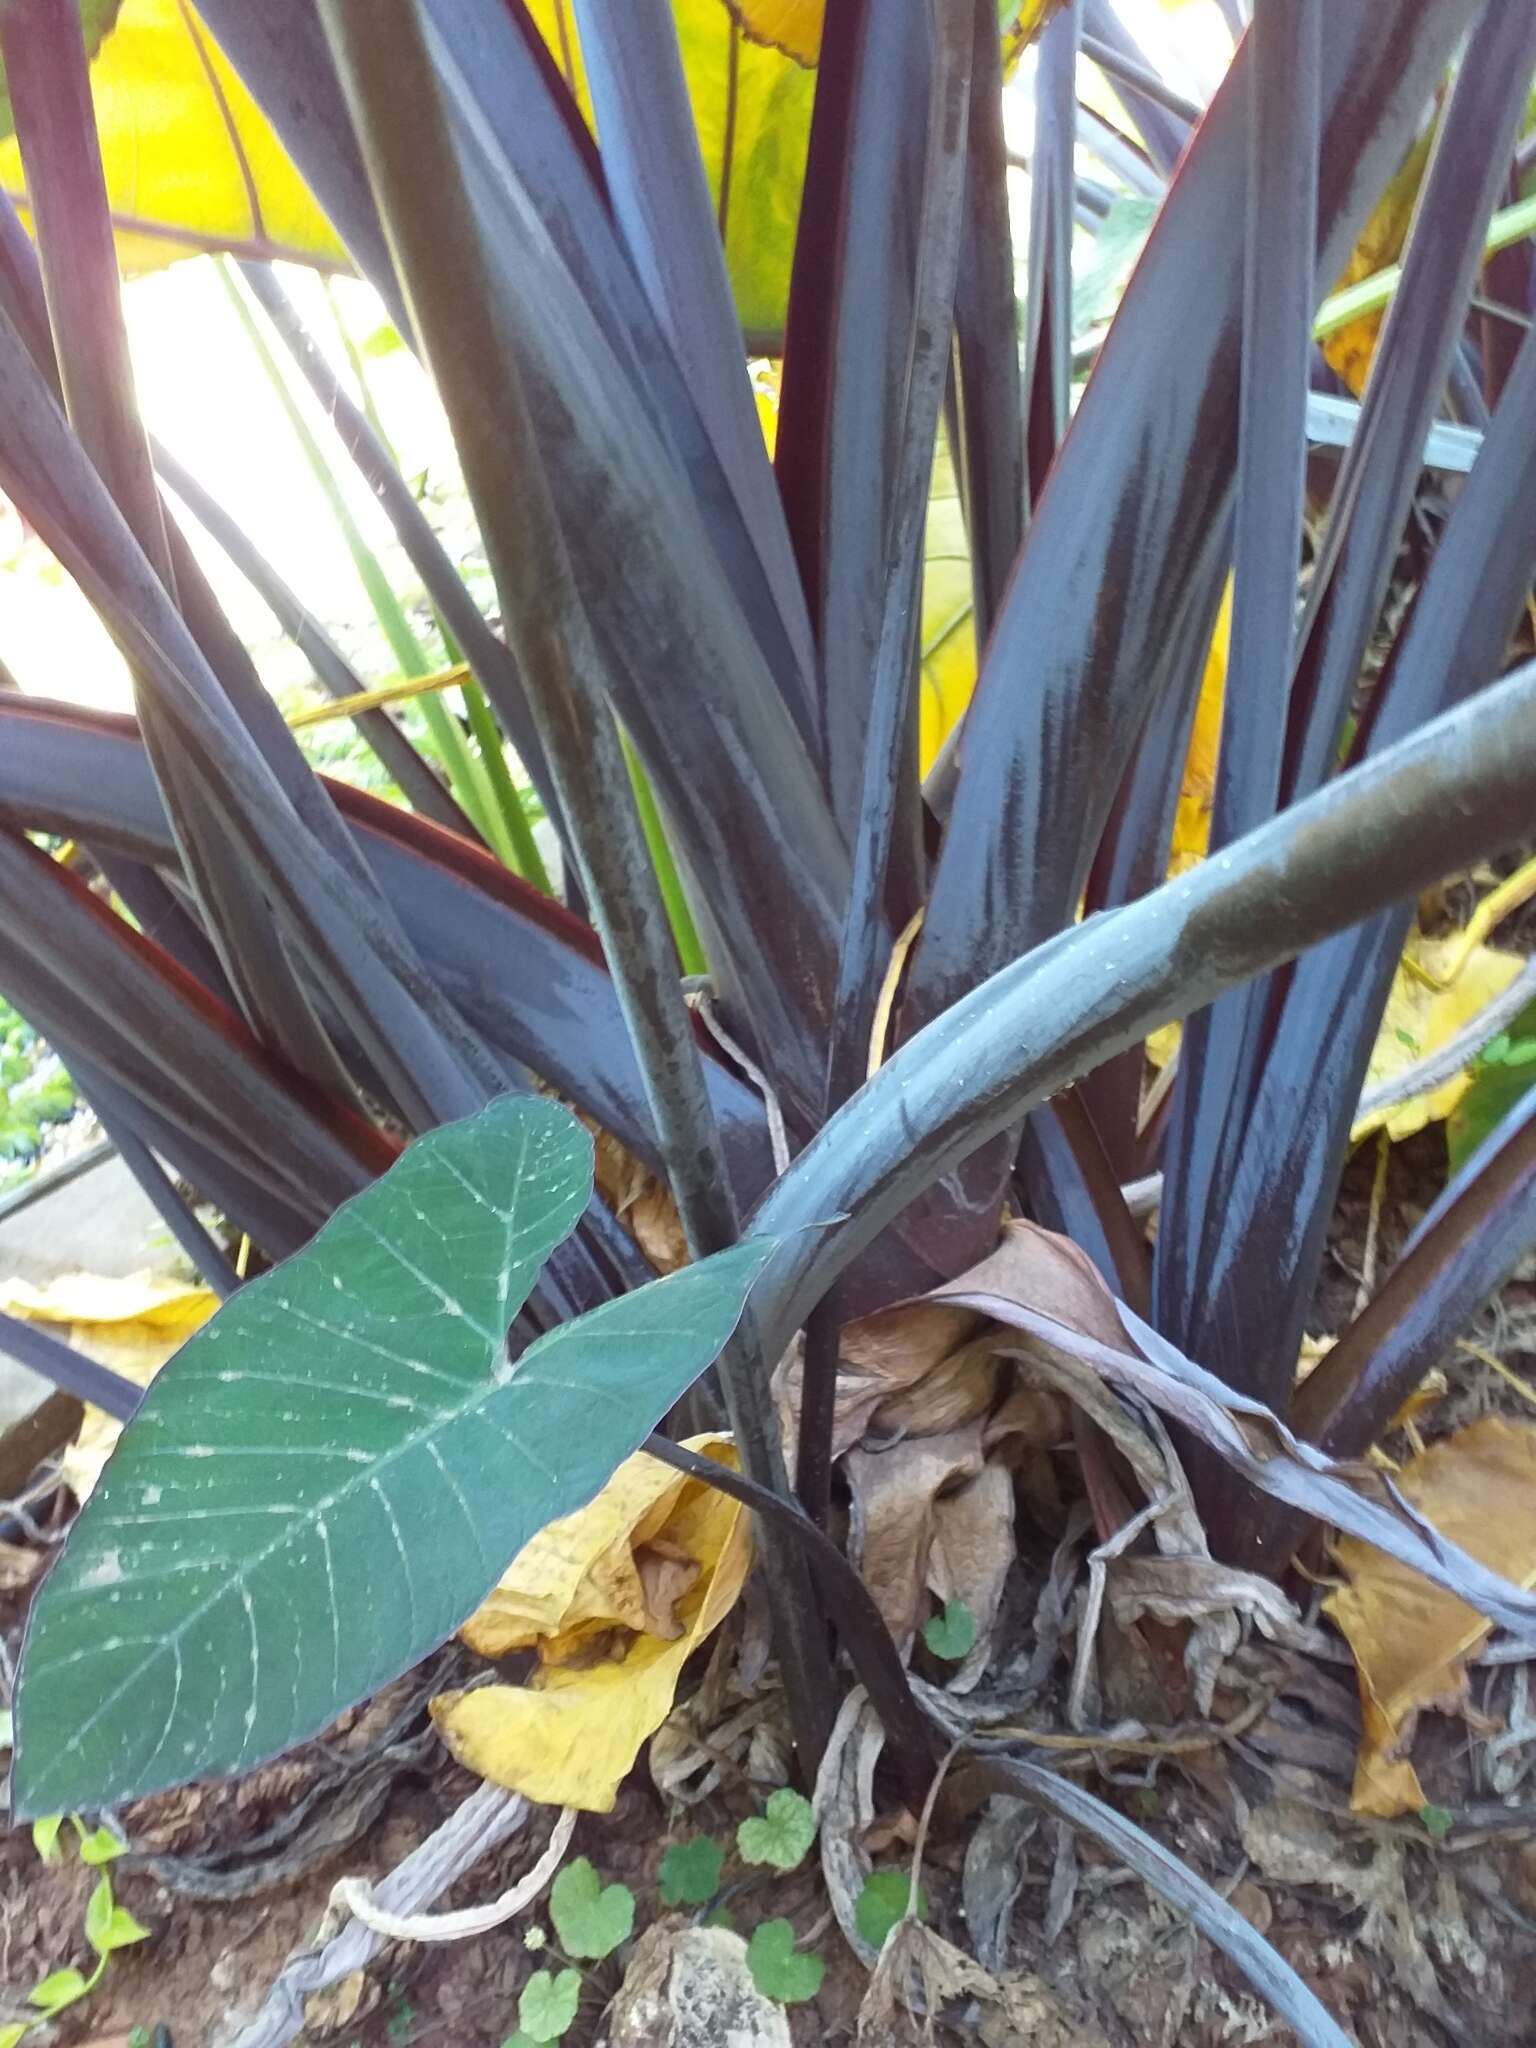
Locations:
{"points": [[466, 778], [1509, 225], [690, 951]]}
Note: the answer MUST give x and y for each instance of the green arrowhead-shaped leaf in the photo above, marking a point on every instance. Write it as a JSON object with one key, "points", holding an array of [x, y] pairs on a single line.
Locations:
{"points": [[334, 1472]]}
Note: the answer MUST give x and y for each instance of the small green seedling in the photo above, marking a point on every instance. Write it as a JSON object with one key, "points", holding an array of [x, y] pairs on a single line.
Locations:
{"points": [[591, 1919], [690, 1872], [1438, 1821], [882, 1905], [546, 2007], [781, 1834], [952, 1634], [108, 1926], [779, 1970], [45, 1836]]}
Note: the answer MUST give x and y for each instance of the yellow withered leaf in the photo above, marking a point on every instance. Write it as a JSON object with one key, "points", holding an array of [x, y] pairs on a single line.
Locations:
{"points": [[1421, 1016], [191, 161], [1197, 792], [1192, 822], [793, 26], [948, 629], [1351, 350], [1411, 1639], [616, 1599], [132, 1325]]}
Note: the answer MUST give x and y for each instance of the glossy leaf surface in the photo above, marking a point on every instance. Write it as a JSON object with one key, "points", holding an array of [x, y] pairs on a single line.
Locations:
{"points": [[337, 1468]]}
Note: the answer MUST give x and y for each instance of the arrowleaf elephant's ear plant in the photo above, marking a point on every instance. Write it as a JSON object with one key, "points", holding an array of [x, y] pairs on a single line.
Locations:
{"points": [[911, 1025]]}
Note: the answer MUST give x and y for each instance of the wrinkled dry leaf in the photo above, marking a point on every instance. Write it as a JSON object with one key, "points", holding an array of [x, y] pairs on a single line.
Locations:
{"points": [[586, 1574], [1411, 1639], [1293, 1842], [844, 1804], [132, 1325], [993, 1876], [604, 1683], [1251, 1439], [909, 1361], [640, 1200], [1419, 1019], [973, 1549], [922, 1971], [690, 1987], [1191, 1588], [919, 1368], [895, 1494]]}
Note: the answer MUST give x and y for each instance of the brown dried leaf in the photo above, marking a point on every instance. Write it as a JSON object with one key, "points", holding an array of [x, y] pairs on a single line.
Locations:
{"points": [[844, 1802], [973, 1548], [1411, 1639], [922, 1971], [640, 1200], [1294, 1843], [1193, 1588], [895, 1495], [1257, 1445], [919, 1368]]}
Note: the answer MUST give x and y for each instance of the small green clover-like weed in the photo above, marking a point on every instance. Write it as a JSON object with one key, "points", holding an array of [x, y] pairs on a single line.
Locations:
{"points": [[952, 1634], [781, 1834], [882, 1904], [1437, 1821], [690, 1872], [592, 1919], [546, 2007], [779, 1969], [108, 1926]]}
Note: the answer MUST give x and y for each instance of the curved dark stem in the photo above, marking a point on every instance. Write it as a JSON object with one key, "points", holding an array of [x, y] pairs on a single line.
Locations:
{"points": [[915, 1742], [818, 1400]]}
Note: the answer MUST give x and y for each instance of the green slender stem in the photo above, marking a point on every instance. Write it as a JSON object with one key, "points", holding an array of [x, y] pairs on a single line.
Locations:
{"points": [[689, 950], [515, 841], [522, 853], [1509, 224], [354, 357], [466, 776]]}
